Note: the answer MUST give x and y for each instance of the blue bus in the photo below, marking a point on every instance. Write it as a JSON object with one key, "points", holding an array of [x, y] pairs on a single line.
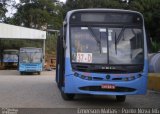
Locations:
{"points": [[30, 60], [10, 58], [102, 52]]}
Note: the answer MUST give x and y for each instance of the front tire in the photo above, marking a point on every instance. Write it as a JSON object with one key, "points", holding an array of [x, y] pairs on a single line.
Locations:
{"points": [[121, 98], [22, 73], [39, 73], [67, 96]]}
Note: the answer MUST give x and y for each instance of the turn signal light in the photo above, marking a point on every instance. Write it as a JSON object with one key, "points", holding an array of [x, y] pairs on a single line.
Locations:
{"points": [[82, 76]]}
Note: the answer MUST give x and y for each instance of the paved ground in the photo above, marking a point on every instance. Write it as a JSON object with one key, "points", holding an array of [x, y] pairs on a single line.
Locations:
{"points": [[40, 91]]}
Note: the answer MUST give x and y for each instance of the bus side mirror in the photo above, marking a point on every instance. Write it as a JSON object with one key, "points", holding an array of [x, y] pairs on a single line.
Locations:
{"points": [[62, 40], [64, 34], [64, 44]]}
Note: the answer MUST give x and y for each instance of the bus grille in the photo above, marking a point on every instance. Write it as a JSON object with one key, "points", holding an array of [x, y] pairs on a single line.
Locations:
{"points": [[98, 88]]}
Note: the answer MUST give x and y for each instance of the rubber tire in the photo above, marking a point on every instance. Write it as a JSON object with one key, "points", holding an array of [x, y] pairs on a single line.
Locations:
{"points": [[121, 98], [67, 97], [22, 73], [39, 73]]}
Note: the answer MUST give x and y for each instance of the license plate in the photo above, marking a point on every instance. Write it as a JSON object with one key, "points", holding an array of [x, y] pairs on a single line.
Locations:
{"points": [[108, 86], [84, 57]]}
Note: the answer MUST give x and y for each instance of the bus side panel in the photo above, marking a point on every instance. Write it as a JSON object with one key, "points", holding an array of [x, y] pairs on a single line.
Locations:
{"points": [[69, 85], [60, 63]]}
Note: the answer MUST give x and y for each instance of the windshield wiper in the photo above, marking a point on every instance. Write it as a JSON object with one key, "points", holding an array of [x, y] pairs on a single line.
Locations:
{"points": [[115, 37], [136, 41], [120, 34], [94, 36]]}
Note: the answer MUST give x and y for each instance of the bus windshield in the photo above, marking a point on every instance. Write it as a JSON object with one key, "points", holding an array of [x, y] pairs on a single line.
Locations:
{"points": [[10, 56], [107, 45], [30, 57]]}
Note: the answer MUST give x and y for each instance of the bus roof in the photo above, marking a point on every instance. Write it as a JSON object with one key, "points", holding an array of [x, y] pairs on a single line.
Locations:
{"points": [[103, 9]]}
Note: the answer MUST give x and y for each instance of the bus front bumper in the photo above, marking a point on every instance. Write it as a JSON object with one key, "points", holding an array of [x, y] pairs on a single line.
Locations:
{"points": [[80, 86], [30, 67]]}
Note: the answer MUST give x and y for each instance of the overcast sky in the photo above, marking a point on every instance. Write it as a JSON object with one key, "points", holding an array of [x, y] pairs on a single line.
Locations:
{"points": [[63, 0]]}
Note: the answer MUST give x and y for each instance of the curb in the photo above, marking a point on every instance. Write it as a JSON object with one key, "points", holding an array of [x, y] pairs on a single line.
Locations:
{"points": [[154, 81]]}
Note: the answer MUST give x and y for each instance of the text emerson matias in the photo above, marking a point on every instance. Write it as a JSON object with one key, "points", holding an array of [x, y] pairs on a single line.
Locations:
{"points": [[95, 111]]}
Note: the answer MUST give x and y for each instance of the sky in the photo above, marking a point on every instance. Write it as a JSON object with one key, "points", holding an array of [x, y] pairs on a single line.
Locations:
{"points": [[63, 1]]}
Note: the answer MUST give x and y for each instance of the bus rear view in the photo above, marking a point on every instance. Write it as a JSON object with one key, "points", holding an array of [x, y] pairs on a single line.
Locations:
{"points": [[102, 52], [30, 60], [10, 58]]}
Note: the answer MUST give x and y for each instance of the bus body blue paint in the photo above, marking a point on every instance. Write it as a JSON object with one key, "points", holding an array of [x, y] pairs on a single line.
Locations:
{"points": [[30, 67]]}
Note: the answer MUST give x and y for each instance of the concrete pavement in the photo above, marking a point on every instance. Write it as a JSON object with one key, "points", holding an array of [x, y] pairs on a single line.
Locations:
{"points": [[40, 91]]}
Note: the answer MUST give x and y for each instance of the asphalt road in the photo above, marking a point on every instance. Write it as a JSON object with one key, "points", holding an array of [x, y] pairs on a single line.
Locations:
{"points": [[40, 91]]}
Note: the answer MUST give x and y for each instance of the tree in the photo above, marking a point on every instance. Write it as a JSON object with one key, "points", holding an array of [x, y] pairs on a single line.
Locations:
{"points": [[78, 4], [3, 9], [37, 14], [151, 12]]}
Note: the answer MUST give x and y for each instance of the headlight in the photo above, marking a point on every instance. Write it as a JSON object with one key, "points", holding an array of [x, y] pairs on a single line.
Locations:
{"points": [[82, 76]]}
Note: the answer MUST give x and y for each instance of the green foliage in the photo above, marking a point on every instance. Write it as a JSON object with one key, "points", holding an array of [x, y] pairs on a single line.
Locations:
{"points": [[3, 9], [79, 4], [51, 42], [37, 14], [16, 44], [155, 46], [151, 11]]}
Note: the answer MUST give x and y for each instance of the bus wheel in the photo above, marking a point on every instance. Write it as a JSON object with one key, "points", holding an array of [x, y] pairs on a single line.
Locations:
{"points": [[39, 73], [21, 73], [67, 97], [121, 98]]}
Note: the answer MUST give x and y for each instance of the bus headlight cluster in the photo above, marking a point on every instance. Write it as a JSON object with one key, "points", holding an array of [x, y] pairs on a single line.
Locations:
{"points": [[132, 77], [129, 78], [82, 76], [125, 79]]}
